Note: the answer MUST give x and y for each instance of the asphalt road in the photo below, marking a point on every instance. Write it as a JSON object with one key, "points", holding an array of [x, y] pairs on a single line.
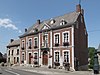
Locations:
{"points": [[10, 71]]}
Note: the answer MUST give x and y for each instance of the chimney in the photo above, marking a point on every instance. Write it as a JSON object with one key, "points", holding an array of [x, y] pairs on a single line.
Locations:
{"points": [[25, 30], [82, 11], [38, 21], [11, 40], [78, 8]]}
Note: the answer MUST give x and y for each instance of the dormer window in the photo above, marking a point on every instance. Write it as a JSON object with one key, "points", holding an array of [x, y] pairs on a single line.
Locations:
{"points": [[52, 21], [63, 22]]}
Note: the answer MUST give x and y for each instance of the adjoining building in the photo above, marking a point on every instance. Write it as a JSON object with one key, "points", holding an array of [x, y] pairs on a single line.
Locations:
{"points": [[59, 39], [98, 53], [13, 52]]}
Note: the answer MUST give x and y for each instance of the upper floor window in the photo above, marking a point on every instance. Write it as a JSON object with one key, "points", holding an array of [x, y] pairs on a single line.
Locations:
{"points": [[9, 52], [12, 52], [66, 38], [57, 39], [63, 22], [30, 43], [17, 51], [23, 44], [35, 42], [45, 40]]}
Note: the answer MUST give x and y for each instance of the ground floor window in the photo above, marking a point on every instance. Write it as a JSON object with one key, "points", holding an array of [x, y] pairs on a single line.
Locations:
{"points": [[56, 56], [22, 58], [8, 60], [66, 56], [35, 58], [17, 59]]}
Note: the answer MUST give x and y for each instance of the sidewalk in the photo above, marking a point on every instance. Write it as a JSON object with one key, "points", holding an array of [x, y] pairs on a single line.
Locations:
{"points": [[46, 71]]}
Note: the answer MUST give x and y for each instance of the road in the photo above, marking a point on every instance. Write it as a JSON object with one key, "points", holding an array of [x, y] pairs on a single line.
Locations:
{"points": [[10, 71]]}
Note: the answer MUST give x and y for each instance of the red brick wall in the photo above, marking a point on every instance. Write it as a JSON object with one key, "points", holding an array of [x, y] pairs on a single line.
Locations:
{"points": [[80, 42]]}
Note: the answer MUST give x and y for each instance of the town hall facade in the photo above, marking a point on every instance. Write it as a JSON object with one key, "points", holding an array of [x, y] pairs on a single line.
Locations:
{"points": [[59, 39]]}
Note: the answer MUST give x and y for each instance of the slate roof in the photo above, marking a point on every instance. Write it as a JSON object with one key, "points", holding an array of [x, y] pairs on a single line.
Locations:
{"points": [[98, 50], [70, 18], [14, 43]]}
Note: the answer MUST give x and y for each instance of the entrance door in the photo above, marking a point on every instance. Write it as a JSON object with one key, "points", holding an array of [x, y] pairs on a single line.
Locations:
{"points": [[29, 58], [45, 58]]}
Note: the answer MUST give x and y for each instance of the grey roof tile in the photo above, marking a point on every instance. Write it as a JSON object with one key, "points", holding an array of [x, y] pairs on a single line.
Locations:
{"points": [[69, 18], [15, 42]]}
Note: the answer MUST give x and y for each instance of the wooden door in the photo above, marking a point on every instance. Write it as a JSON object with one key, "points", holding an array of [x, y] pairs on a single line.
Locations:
{"points": [[45, 58]]}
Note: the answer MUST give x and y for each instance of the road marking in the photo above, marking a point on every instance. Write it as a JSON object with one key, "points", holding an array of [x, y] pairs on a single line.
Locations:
{"points": [[12, 72]]}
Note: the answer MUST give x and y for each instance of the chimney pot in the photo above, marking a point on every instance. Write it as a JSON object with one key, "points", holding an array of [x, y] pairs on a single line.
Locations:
{"points": [[25, 30], [78, 8], [38, 21], [11, 40]]}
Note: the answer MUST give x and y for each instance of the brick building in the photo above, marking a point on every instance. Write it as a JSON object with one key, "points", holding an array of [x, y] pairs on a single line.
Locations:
{"points": [[59, 39], [13, 52]]}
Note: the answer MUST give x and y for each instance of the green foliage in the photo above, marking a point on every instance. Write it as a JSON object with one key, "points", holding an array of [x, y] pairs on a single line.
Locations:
{"points": [[91, 56]]}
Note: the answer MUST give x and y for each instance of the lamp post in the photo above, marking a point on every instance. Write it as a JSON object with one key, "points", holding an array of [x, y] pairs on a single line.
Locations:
{"points": [[96, 63]]}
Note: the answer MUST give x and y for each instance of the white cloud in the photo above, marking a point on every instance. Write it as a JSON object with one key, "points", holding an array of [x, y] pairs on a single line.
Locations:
{"points": [[7, 23]]}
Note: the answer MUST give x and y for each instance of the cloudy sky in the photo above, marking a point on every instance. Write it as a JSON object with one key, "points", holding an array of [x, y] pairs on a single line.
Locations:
{"points": [[16, 15]]}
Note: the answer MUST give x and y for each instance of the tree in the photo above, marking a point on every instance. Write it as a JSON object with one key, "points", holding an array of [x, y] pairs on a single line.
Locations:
{"points": [[91, 56]]}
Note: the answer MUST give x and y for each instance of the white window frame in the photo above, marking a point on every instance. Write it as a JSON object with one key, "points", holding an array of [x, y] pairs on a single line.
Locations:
{"points": [[63, 36], [68, 52], [34, 55], [37, 41], [23, 41], [54, 37], [59, 55], [43, 40], [29, 42]]}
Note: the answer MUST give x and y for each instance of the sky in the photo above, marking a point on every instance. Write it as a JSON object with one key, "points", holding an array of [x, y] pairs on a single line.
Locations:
{"points": [[16, 15]]}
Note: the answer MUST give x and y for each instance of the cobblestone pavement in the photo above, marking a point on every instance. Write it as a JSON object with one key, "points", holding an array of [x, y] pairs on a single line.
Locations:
{"points": [[46, 71]]}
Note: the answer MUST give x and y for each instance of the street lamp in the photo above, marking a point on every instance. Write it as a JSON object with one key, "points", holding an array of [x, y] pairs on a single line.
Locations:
{"points": [[96, 63]]}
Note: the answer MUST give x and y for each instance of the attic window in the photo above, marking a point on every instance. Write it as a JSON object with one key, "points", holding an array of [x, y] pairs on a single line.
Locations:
{"points": [[63, 22], [52, 21]]}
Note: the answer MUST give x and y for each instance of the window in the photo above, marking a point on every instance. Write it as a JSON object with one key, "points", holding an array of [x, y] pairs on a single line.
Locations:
{"points": [[56, 56], [66, 56], [35, 42], [52, 21], [22, 58], [12, 52], [17, 51], [45, 40], [35, 58], [57, 39], [17, 59], [9, 52], [30, 43], [66, 38], [63, 22], [8, 60], [23, 44]]}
